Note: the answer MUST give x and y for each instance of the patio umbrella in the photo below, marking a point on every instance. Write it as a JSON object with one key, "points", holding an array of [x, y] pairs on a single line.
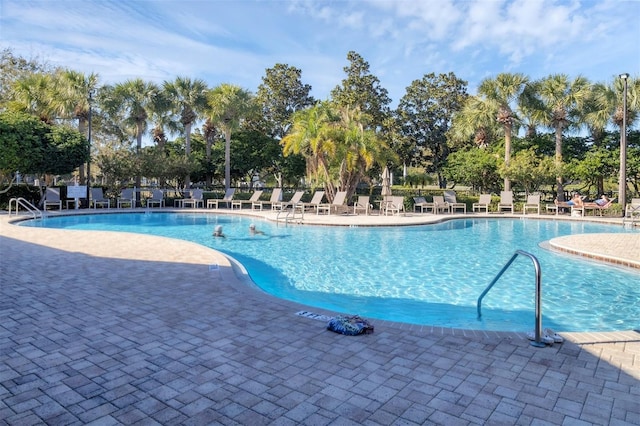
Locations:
{"points": [[386, 183]]}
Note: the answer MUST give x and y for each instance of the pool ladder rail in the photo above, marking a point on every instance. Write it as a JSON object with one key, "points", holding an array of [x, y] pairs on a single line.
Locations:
{"points": [[291, 213], [537, 342], [21, 202]]}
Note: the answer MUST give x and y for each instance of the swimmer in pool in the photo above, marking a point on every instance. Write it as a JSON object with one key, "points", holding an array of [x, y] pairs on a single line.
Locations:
{"points": [[217, 232]]}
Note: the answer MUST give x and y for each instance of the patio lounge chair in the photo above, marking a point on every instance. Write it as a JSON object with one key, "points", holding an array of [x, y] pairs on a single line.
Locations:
{"points": [[316, 200], [440, 204], [422, 204], [194, 200], [253, 199], [127, 198], [395, 205], [97, 198], [157, 198], [362, 204], [337, 204], [506, 201], [276, 196], [483, 203], [52, 198], [450, 198], [598, 206], [533, 203], [227, 199], [633, 209], [293, 202]]}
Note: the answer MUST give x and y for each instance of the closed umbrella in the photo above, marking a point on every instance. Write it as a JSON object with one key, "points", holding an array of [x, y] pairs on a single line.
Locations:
{"points": [[386, 183]]}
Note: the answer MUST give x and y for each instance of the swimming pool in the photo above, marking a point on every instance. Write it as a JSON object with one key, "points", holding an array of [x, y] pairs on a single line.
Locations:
{"points": [[429, 274]]}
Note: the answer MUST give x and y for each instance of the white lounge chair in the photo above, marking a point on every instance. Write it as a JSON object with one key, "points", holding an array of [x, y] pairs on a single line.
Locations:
{"points": [[362, 204], [450, 198], [127, 198], [157, 198], [97, 198], [227, 199], [533, 203], [440, 205], [52, 198], [194, 200], [255, 197], [337, 204], [633, 209], [394, 205], [483, 203], [316, 200], [293, 202], [422, 204], [276, 196], [506, 201]]}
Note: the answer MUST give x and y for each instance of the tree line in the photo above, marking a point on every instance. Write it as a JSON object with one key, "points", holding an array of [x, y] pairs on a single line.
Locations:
{"points": [[515, 132]]}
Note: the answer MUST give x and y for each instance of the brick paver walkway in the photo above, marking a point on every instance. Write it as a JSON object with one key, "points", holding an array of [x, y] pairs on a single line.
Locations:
{"points": [[100, 328]]}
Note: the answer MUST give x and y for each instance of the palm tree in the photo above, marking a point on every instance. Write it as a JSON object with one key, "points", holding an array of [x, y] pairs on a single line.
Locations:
{"points": [[189, 100], [561, 101], [32, 94], [499, 94], [228, 106], [133, 99], [336, 145]]}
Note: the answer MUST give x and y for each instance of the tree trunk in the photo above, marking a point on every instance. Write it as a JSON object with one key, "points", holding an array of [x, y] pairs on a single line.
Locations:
{"points": [[187, 152], [227, 159], [559, 183], [507, 153]]}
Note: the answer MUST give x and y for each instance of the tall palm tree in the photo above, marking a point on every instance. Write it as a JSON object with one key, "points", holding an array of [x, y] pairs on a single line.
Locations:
{"points": [[32, 94], [133, 99], [71, 99], [561, 101], [228, 106], [500, 94], [188, 101]]}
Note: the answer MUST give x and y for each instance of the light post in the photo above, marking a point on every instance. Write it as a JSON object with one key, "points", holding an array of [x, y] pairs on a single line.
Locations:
{"points": [[622, 183], [88, 179]]}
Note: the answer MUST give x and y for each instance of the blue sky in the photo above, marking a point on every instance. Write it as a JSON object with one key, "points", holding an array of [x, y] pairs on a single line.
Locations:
{"points": [[227, 41]]}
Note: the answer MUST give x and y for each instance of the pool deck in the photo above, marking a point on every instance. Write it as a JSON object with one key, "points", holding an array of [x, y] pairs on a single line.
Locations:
{"points": [[112, 328]]}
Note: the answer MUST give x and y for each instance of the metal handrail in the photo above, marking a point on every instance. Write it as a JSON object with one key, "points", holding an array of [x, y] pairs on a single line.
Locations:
{"points": [[291, 212], [538, 327], [20, 201]]}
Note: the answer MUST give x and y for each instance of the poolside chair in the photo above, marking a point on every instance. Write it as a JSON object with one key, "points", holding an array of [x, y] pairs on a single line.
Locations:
{"points": [[395, 205], [316, 200], [506, 201], [533, 203], [97, 198], [194, 200], [422, 204], [337, 204], [450, 198], [239, 203], [127, 198], [440, 205], [633, 209], [52, 198], [293, 202], [157, 198], [598, 206], [362, 204], [483, 203], [227, 199], [276, 196]]}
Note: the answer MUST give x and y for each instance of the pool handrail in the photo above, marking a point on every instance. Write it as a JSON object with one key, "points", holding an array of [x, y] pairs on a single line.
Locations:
{"points": [[537, 342]]}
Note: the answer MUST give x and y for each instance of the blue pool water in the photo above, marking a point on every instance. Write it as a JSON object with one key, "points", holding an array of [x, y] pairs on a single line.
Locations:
{"points": [[429, 274]]}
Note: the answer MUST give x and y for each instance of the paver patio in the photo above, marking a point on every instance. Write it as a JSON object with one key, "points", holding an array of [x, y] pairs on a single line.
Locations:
{"points": [[105, 328]]}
